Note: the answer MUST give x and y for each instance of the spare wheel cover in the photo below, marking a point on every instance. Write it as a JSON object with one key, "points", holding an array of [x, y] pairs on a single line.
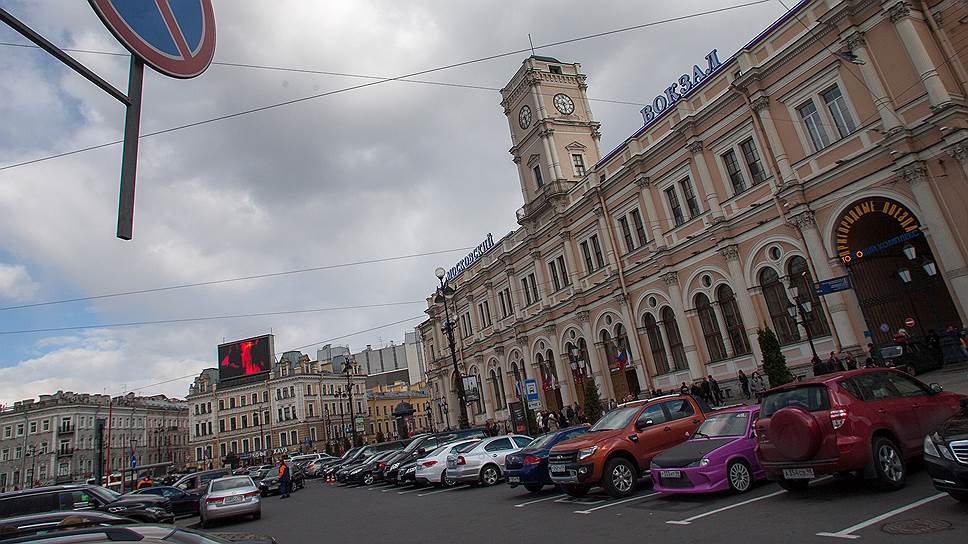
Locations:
{"points": [[795, 433]]}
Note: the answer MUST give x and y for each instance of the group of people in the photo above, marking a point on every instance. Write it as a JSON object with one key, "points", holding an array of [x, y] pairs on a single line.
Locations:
{"points": [[836, 362], [552, 420], [709, 390]]}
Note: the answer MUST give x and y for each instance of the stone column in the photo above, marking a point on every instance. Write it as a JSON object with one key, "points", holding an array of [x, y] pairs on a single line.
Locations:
{"points": [[492, 304], [786, 173], [604, 238], [959, 152], [721, 322], [900, 14], [946, 250], [699, 159], [744, 301], [541, 279], [696, 368], [836, 303], [565, 380], [604, 380], [571, 256], [856, 44], [651, 217], [636, 354]]}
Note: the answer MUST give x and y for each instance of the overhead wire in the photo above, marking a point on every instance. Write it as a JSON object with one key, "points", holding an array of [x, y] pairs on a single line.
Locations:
{"points": [[396, 78]]}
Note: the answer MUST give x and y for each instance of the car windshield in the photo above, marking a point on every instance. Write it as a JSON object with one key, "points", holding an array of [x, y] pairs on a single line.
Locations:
{"points": [[813, 398], [463, 448], [616, 419], [729, 424], [231, 483], [542, 441]]}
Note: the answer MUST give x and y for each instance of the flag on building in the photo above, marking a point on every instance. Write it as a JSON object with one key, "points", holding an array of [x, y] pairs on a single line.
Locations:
{"points": [[621, 359]]}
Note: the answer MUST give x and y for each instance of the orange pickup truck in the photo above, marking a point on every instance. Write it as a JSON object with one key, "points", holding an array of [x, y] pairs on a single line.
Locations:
{"points": [[619, 447]]}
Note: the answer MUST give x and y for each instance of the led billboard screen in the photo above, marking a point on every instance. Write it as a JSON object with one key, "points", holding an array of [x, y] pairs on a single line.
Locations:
{"points": [[245, 357]]}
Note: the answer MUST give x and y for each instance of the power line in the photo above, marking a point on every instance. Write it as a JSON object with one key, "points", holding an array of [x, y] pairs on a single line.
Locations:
{"points": [[209, 318], [397, 78], [230, 280]]}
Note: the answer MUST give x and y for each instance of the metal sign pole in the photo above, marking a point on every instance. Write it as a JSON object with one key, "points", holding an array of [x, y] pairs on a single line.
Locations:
{"points": [[129, 156]]}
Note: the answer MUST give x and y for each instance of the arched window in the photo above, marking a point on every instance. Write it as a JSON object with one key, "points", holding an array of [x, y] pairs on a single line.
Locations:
{"points": [[609, 346], [552, 371], [675, 340], [733, 321], [710, 328], [622, 341], [776, 303], [518, 385], [800, 276], [495, 389], [500, 383], [655, 344]]}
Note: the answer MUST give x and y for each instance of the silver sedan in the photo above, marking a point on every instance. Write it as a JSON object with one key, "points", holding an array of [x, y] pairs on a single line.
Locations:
{"points": [[432, 467], [483, 463], [230, 497]]}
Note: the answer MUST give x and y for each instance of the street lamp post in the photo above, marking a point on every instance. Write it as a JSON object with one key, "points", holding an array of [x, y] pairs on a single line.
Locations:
{"points": [[448, 328], [348, 372], [930, 270], [342, 422], [804, 309]]}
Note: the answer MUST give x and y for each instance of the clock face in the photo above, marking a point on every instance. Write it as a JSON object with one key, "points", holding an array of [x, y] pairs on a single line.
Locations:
{"points": [[564, 104], [524, 117]]}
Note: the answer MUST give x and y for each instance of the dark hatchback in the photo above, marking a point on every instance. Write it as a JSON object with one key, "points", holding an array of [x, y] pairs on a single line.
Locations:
{"points": [[946, 455], [529, 467], [144, 508], [913, 357], [183, 503]]}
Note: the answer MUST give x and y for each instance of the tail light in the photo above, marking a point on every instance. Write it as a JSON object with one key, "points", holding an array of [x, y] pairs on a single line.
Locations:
{"points": [[838, 415], [381, 466], [213, 500], [251, 494], [461, 460], [531, 460], [429, 464]]}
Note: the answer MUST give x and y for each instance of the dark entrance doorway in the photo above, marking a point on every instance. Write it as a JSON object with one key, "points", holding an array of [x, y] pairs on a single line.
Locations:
{"points": [[892, 270]]}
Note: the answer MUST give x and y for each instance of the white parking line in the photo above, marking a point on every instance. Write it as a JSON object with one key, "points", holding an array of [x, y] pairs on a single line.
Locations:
{"points": [[446, 489], [414, 490], [630, 499], [847, 533], [538, 500], [578, 500], [687, 521]]}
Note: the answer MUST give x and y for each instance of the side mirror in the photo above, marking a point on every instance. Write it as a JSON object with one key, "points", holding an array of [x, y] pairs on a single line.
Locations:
{"points": [[936, 388]]}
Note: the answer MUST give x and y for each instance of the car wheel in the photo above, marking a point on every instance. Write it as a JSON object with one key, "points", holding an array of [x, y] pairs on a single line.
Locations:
{"points": [[490, 475], [794, 486], [368, 479], [620, 478], [446, 481], [576, 490], [961, 496], [890, 472], [534, 488], [739, 476]]}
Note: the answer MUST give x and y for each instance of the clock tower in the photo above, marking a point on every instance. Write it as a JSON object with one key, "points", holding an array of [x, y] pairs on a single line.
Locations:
{"points": [[555, 140]]}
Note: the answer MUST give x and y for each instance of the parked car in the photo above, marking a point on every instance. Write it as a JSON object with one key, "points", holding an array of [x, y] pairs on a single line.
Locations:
{"points": [[423, 444], [529, 467], [146, 534], [38, 524], [913, 357], [364, 473], [270, 484], [432, 468], [316, 468], [406, 473], [946, 455], [483, 462], [230, 497], [197, 482], [620, 446], [720, 456], [347, 457], [183, 503], [258, 473], [83, 497], [870, 421]]}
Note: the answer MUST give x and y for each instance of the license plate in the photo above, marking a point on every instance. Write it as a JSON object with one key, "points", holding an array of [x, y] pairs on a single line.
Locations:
{"points": [[798, 473], [514, 479], [670, 473], [231, 500], [557, 468]]}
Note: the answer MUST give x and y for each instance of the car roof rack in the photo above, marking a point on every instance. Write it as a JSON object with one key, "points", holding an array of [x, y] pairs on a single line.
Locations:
{"points": [[113, 533]]}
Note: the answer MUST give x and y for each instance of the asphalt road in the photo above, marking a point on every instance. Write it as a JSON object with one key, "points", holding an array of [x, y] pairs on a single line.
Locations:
{"points": [[832, 510]]}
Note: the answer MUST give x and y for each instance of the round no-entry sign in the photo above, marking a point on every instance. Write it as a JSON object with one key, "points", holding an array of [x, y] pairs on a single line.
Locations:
{"points": [[175, 37], [909, 322]]}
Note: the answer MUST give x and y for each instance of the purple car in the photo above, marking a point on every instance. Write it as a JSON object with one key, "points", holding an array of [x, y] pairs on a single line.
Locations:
{"points": [[719, 457]]}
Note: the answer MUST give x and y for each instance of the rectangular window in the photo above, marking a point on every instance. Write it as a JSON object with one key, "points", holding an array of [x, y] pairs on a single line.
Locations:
{"points": [[20, 429], [811, 119], [690, 197], [232, 423], [752, 157], [537, 176], [587, 256], [563, 270], [735, 174], [232, 402], [255, 398], [245, 444], [33, 427], [597, 248], [838, 110], [578, 161], [504, 306], [241, 400], [675, 206], [45, 425], [639, 226], [245, 421], [507, 298], [626, 233], [553, 269], [534, 287], [294, 437]]}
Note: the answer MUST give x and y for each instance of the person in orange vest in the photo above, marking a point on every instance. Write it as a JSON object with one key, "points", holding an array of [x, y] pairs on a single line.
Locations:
{"points": [[285, 479]]}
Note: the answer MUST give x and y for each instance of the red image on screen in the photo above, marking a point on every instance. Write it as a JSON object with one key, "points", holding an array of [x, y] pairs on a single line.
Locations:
{"points": [[244, 357]]}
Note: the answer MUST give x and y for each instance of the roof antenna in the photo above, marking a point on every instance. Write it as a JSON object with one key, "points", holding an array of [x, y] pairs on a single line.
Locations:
{"points": [[532, 44]]}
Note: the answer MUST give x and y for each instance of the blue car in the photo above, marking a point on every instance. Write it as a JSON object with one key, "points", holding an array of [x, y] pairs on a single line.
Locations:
{"points": [[529, 467]]}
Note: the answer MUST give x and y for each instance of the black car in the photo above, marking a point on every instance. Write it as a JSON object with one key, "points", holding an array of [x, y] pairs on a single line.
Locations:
{"points": [[183, 503], [946, 455], [913, 357], [364, 473], [348, 457], [407, 473], [425, 443], [197, 482], [270, 484], [82, 497], [38, 524]]}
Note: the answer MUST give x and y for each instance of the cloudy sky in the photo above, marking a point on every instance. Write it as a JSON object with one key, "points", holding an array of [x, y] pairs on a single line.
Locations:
{"points": [[393, 169]]}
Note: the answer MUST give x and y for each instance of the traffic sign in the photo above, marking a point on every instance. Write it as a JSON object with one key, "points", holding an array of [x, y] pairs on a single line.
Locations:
{"points": [[531, 389], [134, 462], [833, 285], [175, 37], [909, 322]]}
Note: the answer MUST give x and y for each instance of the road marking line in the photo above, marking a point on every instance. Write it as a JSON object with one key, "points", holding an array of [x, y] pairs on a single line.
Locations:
{"points": [[539, 500], [590, 510], [440, 491], [687, 521], [573, 500], [846, 533], [414, 490]]}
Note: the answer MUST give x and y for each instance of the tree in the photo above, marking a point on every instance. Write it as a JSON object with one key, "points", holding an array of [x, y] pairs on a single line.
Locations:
{"points": [[774, 363], [593, 402]]}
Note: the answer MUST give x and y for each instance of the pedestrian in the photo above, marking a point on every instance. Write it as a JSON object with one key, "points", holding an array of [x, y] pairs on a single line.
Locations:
{"points": [[758, 384], [744, 383], [285, 479], [695, 390], [563, 421], [850, 361], [819, 367], [707, 391], [569, 413], [715, 390], [684, 389], [552, 424]]}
